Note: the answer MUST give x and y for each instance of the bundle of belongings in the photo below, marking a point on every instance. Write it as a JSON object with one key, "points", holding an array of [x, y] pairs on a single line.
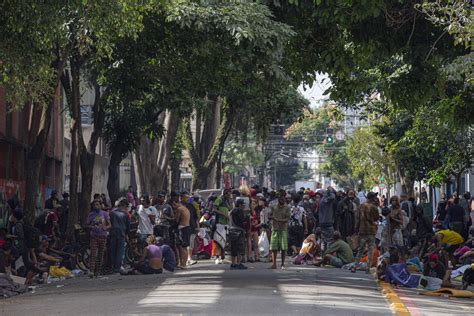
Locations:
{"points": [[309, 251]]}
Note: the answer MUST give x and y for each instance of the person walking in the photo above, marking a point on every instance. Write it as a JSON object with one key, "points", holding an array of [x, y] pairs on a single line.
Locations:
{"points": [[120, 228], [366, 227], [279, 216], [98, 223]]}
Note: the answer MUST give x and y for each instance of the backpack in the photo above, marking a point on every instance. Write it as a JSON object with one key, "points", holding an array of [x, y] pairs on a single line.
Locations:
{"points": [[32, 236]]}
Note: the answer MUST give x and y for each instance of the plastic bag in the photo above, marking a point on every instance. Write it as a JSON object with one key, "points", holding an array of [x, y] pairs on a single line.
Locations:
{"points": [[263, 245], [57, 272]]}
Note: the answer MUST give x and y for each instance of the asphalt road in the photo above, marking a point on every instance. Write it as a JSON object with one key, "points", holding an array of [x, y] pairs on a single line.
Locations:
{"points": [[208, 289]]}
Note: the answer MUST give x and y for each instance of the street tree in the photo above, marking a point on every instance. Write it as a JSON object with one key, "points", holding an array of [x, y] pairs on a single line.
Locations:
{"points": [[92, 34], [33, 54]]}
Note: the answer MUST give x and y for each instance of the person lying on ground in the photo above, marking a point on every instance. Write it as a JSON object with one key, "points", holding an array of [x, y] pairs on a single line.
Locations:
{"points": [[436, 269]]}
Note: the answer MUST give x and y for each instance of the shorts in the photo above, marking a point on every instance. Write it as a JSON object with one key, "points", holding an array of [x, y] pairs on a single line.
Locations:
{"points": [[237, 243], [163, 231], [279, 240], [336, 261], [184, 235]]}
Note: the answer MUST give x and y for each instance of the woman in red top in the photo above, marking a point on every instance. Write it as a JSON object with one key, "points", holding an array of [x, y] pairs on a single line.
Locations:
{"points": [[254, 229]]}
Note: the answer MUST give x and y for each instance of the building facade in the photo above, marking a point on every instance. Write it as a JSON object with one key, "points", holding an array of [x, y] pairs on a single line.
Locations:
{"points": [[14, 131]]}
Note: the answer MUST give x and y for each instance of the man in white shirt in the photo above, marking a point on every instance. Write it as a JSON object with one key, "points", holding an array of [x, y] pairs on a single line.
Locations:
{"points": [[147, 215]]}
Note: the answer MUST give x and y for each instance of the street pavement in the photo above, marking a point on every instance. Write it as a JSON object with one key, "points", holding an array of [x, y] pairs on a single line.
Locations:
{"points": [[208, 289]]}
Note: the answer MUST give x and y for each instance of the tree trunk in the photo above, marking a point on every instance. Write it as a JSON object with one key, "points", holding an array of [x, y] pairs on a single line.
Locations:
{"points": [[71, 85], [171, 124], [200, 176], [137, 166], [219, 173], [37, 138], [153, 156], [211, 144], [175, 175], [458, 183], [73, 217], [87, 176], [87, 154], [113, 184]]}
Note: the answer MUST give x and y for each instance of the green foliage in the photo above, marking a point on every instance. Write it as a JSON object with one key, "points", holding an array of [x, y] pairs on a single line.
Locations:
{"points": [[30, 32], [313, 124], [237, 156], [368, 160], [189, 51], [37, 35]]}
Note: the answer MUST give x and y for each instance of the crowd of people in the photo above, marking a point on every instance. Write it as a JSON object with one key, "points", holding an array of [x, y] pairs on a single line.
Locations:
{"points": [[173, 230]]}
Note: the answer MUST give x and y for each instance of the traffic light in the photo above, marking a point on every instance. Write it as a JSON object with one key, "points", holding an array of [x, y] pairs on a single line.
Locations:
{"points": [[329, 135]]}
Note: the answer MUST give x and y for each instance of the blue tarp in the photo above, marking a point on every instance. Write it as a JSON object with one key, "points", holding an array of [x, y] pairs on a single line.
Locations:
{"points": [[397, 273]]}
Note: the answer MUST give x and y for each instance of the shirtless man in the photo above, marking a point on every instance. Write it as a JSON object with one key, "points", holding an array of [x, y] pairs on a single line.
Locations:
{"points": [[182, 217]]}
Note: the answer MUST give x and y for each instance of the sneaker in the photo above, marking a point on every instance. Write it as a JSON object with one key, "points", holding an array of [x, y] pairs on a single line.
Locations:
{"points": [[242, 267], [91, 275], [234, 267], [219, 261], [191, 262], [251, 260], [353, 269]]}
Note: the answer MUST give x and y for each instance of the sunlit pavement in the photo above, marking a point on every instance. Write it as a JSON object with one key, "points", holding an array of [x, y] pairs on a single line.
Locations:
{"points": [[208, 289], [418, 304]]}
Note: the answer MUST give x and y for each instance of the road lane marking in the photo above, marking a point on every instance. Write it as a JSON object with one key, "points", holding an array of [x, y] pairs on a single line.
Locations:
{"points": [[395, 303]]}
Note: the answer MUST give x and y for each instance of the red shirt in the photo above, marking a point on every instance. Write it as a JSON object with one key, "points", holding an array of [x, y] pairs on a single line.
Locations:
{"points": [[253, 222], [51, 219]]}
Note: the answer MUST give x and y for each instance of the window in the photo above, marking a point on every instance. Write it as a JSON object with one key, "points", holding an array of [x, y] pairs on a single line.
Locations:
{"points": [[86, 115]]}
